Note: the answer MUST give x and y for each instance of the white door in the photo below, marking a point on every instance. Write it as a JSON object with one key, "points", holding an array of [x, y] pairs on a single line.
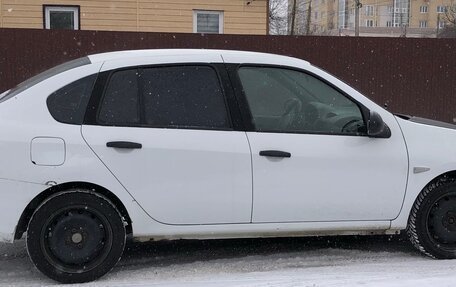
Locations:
{"points": [[165, 134], [312, 159]]}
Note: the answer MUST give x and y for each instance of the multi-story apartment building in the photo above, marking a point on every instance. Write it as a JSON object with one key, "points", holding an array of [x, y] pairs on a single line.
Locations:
{"points": [[201, 16], [394, 18], [428, 13]]}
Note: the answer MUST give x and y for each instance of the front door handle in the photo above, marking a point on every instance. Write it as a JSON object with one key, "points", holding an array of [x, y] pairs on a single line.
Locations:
{"points": [[275, 153], [124, 144]]}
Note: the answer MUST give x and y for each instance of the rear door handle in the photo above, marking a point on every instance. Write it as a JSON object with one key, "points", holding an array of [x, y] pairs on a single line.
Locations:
{"points": [[275, 153], [124, 144]]}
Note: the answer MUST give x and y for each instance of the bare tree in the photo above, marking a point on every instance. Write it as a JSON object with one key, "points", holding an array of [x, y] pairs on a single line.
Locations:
{"points": [[450, 14], [277, 17], [449, 18], [292, 13], [297, 17]]}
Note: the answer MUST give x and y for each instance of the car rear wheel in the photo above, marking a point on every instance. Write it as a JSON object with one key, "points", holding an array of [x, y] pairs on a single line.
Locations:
{"points": [[432, 222], [76, 236]]}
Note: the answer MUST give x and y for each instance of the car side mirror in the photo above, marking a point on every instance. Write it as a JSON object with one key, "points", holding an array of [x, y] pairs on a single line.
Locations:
{"points": [[376, 127]]}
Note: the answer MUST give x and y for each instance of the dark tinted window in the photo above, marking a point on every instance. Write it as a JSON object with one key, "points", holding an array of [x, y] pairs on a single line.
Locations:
{"points": [[183, 97], [68, 104], [120, 103], [170, 97]]}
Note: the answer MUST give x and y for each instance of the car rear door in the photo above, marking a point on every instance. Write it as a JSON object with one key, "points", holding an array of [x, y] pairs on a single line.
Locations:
{"points": [[165, 133]]}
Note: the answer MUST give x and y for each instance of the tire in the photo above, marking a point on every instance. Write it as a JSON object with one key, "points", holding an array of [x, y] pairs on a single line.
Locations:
{"points": [[432, 222], [75, 236]]}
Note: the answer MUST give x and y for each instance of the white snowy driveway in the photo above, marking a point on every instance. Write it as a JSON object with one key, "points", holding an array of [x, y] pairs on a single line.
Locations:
{"points": [[324, 261]]}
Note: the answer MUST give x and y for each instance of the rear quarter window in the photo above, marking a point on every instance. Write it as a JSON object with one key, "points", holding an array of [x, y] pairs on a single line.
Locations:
{"points": [[68, 104]]}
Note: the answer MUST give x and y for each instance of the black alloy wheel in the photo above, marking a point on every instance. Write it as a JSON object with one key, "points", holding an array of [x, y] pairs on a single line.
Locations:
{"points": [[76, 236]]}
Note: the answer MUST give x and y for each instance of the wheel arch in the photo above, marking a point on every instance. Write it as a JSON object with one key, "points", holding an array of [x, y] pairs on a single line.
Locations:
{"points": [[448, 175], [444, 176], [31, 207], [451, 174]]}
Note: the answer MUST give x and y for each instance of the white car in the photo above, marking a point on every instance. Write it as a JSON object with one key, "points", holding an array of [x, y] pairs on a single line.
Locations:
{"points": [[203, 144]]}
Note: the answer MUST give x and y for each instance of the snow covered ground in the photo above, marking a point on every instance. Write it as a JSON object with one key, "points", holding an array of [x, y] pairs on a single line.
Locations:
{"points": [[323, 261]]}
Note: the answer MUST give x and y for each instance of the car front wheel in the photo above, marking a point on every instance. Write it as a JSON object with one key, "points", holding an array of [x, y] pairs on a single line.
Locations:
{"points": [[432, 222], [76, 236]]}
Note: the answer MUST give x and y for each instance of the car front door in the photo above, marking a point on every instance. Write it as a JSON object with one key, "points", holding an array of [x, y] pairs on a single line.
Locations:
{"points": [[312, 158], [165, 134]]}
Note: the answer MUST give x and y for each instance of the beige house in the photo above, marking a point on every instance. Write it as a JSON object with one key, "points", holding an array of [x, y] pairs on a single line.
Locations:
{"points": [[188, 16]]}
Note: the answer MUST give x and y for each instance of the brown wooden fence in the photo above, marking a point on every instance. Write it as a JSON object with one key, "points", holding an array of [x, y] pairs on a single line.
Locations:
{"points": [[413, 76]]}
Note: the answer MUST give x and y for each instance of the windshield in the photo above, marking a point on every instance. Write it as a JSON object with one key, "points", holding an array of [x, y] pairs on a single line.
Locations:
{"points": [[43, 76]]}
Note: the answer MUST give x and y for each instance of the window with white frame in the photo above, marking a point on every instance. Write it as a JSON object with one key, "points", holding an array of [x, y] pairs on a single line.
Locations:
{"points": [[423, 9], [441, 9], [369, 23], [441, 24], [423, 24], [369, 10], [209, 22], [389, 24], [61, 17]]}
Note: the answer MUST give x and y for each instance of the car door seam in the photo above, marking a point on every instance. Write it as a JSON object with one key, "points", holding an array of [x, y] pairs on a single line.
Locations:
{"points": [[251, 171], [408, 169]]}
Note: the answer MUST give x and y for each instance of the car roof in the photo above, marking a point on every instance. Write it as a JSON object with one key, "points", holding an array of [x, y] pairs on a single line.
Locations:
{"points": [[229, 56]]}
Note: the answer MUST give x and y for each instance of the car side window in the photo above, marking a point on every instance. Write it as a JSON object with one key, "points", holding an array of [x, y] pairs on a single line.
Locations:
{"points": [[165, 97], [285, 100], [68, 104], [120, 104], [185, 96]]}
